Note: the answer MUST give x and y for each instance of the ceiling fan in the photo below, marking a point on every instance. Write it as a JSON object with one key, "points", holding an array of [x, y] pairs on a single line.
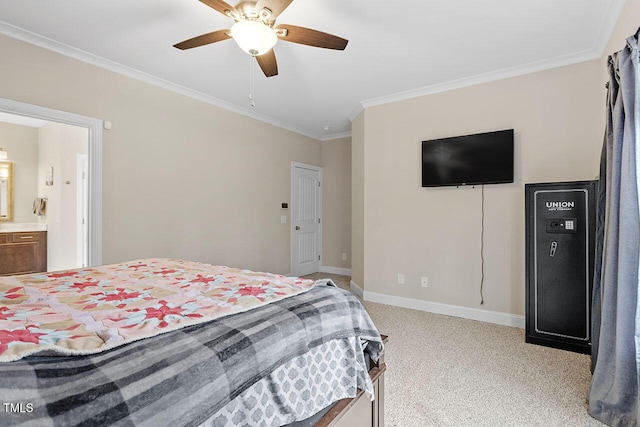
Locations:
{"points": [[255, 33]]}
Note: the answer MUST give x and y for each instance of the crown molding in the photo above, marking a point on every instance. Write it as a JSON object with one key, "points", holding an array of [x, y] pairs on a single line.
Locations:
{"points": [[72, 52], [335, 136], [607, 26], [505, 73], [600, 42], [356, 111]]}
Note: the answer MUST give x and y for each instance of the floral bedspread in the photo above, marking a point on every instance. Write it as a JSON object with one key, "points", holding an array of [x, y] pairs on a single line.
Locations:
{"points": [[90, 310]]}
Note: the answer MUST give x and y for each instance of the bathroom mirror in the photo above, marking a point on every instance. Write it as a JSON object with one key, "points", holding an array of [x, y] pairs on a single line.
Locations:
{"points": [[6, 191]]}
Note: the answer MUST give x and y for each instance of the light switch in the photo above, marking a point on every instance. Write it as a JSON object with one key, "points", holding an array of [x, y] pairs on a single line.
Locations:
{"points": [[283, 219]]}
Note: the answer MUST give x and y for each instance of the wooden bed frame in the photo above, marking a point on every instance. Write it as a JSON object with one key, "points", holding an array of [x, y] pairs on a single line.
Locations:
{"points": [[360, 411]]}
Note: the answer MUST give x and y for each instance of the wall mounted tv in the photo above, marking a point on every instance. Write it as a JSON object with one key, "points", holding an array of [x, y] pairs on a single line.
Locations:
{"points": [[483, 158]]}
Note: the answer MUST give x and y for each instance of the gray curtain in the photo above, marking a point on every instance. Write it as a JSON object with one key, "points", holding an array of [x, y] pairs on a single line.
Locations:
{"points": [[613, 398]]}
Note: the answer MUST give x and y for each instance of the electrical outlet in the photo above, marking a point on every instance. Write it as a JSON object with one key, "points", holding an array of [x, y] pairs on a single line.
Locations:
{"points": [[344, 257], [400, 279], [424, 282]]}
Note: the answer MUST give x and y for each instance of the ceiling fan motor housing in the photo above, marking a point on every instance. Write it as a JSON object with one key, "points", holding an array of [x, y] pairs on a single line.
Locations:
{"points": [[247, 10]]}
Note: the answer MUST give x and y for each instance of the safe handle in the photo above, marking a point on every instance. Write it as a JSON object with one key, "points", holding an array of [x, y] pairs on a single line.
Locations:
{"points": [[554, 247]]}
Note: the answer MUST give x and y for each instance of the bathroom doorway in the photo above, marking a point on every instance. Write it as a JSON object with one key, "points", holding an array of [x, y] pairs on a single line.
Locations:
{"points": [[60, 163]]}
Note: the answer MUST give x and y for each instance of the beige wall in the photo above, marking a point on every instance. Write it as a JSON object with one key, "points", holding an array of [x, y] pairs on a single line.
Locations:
{"points": [[435, 232], [21, 145], [558, 116], [336, 202], [182, 178], [357, 200]]}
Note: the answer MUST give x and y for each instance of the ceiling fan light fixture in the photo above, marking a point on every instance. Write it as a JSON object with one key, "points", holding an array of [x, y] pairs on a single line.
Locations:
{"points": [[254, 37]]}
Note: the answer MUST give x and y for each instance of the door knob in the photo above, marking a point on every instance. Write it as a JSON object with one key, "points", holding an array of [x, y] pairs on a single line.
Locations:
{"points": [[297, 227]]}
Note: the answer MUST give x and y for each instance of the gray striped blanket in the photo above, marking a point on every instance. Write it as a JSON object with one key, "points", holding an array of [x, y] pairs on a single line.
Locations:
{"points": [[184, 377]]}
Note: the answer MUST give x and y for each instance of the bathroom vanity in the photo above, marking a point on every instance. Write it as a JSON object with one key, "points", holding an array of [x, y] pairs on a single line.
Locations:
{"points": [[22, 251]]}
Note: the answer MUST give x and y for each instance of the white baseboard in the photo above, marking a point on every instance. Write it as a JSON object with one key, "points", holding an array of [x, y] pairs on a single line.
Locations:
{"points": [[335, 270], [356, 289], [488, 316]]}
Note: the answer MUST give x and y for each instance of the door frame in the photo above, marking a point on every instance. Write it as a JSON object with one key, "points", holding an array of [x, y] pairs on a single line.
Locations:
{"points": [[94, 126], [294, 200]]}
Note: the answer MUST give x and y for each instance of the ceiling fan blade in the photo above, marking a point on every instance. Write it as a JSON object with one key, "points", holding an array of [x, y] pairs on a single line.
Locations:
{"points": [[204, 39], [268, 63], [275, 6], [311, 37], [219, 5]]}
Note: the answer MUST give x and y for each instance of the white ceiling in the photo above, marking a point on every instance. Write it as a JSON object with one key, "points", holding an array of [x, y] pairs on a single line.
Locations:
{"points": [[397, 49]]}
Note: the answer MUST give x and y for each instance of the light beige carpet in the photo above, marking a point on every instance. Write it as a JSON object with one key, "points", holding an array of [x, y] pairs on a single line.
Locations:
{"points": [[447, 371]]}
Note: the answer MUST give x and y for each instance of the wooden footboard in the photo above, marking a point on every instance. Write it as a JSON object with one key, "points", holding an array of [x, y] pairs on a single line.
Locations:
{"points": [[360, 411]]}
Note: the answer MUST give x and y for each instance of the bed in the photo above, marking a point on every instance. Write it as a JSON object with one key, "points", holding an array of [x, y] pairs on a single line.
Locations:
{"points": [[174, 342]]}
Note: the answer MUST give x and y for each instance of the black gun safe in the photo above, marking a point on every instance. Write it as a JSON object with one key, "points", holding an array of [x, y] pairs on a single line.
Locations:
{"points": [[560, 227]]}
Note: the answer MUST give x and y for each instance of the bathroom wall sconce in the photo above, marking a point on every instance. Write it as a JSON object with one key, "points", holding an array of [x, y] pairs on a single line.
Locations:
{"points": [[49, 178], [3, 154]]}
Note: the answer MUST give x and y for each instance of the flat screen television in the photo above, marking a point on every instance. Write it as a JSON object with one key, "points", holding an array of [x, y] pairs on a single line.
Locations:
{"points": [[483, 158]]}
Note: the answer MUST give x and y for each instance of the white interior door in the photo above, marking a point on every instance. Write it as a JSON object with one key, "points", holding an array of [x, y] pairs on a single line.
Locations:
{"points": [[82, 210], [306, 219]]}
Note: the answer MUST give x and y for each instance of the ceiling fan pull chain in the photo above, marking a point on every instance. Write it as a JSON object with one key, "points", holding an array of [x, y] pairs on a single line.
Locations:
{"points": [[251, 67]]}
